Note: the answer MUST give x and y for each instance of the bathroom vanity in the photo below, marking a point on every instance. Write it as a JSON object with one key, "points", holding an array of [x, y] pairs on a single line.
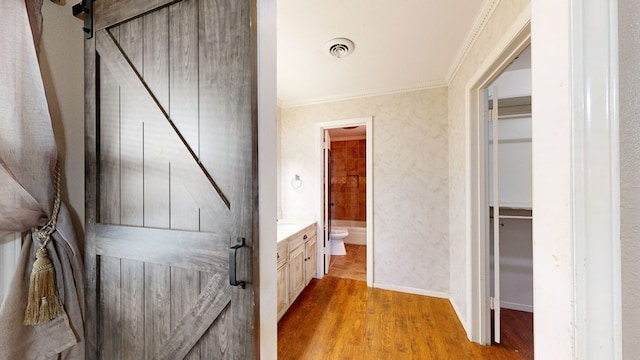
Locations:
{"points": [[297, 261]]}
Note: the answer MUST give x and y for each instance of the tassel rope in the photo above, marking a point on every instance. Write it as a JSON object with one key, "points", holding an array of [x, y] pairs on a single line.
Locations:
{"points": [[43, 302]]}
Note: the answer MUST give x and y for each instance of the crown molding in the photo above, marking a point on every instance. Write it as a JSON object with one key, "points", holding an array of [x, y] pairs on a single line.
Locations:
{"points": [[486, 11], [364, 94]]}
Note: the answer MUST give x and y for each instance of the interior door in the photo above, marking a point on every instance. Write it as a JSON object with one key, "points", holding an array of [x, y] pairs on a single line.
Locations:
{"points": [[496, 214], [171, 188], [327, 199]]}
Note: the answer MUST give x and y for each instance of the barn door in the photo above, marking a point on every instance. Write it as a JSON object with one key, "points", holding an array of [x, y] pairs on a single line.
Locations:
{"points": [[171, 180]]}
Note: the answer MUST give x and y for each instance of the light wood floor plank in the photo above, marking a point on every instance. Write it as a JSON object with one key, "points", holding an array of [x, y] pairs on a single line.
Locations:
{"points": [[340, 318]]}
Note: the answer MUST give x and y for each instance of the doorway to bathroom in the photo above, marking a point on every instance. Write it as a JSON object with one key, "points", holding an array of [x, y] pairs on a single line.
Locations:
{"points": [[347, 177]]}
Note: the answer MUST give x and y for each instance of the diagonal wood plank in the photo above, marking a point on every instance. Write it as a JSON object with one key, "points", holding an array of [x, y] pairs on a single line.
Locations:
{"points": [[121, 66], [213, 299], [111, 12]]}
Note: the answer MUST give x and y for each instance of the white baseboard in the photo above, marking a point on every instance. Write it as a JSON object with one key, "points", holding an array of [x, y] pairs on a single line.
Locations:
{"points": [[462, 320], [410, 290], [516, 306]]}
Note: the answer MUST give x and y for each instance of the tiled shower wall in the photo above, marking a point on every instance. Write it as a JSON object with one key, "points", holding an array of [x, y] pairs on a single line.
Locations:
{"points": [[349, 180]]}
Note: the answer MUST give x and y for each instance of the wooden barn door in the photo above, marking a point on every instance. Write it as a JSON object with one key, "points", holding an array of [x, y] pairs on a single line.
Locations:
{"points": [[171, 180]]}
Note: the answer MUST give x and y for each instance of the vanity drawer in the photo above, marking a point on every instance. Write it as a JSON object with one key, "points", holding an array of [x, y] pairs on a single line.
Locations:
{"points": [[283, 252], [302, 237]]}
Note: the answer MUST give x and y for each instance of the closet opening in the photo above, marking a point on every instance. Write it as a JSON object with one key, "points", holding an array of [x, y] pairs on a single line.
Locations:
{"points": [[508, 212]]}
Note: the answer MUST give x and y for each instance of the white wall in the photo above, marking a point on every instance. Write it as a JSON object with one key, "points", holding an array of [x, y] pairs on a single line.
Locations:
{"points": [[513, 83], [410, 174], [514, 155], [629, 32], [279, 165], [62, 66], [460, 263], [267, 163]]}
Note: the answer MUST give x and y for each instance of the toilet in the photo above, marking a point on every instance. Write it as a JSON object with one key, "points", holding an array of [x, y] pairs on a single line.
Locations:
{"points": [[337, 241]]}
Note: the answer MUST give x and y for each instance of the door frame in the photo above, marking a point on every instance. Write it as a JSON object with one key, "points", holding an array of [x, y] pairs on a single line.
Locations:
{"points": [[512, 43], [326, 198], [327, 125]]}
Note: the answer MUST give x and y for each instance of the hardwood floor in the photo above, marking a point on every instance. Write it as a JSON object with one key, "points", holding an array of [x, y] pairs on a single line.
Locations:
{"points": [[517, 332], [340, 318]]}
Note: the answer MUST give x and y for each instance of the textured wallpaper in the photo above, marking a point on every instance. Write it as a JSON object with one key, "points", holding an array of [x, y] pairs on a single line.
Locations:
{"points": [[502, 18], [410, 180], [629, 30]]}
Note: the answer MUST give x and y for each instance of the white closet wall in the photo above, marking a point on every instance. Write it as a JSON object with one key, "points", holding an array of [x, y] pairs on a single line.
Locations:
{"points": [[514, 149], [515, 183]]}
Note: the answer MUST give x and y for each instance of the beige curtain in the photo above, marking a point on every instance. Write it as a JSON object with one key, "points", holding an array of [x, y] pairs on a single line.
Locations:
{"points": [[27, 159]]}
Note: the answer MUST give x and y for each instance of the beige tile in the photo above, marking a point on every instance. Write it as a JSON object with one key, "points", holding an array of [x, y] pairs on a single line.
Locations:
{"points": [[350, 266]]}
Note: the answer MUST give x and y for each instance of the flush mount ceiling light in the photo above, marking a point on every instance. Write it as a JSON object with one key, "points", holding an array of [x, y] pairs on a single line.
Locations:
{"points": [[339, 47]]}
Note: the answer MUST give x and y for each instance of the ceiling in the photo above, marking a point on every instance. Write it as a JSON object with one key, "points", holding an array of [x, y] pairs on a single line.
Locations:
{"points": [[399, 45], [348, 132]]}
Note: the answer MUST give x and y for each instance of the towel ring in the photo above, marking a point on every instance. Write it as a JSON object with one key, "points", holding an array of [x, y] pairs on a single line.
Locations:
{"points": [[296, 182]]}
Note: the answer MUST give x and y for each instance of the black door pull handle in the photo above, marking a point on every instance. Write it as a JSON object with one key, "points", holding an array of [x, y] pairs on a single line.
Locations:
{"points": [[233, 250]]}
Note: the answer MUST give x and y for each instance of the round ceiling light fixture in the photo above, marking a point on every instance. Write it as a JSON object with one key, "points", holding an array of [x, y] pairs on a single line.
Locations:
{"points": [[339, 47]]}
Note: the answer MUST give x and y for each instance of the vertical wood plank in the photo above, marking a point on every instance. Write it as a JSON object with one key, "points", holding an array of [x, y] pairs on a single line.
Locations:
{"points": [[156, 75], [91, 73], [110, 304], [185, 288], [155, 69], [132, 297], [224, 97], [157, 307], [109, 171], [183, 42], [185, 214], [131, 125]]}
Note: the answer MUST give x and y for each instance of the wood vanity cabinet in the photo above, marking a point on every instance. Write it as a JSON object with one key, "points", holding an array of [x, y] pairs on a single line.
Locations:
{"points": [[297, 260], [283, 278], [311, 260]]}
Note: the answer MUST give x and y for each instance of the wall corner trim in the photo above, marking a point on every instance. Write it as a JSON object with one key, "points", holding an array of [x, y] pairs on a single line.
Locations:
{"points": [[595, 207]]}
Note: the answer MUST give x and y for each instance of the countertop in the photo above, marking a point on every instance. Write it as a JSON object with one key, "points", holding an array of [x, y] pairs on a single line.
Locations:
{"points": [[286, 228]]}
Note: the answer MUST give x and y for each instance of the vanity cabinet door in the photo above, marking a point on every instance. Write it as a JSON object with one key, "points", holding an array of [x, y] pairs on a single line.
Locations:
{"points": [[311, 259], [283, 290], [297, 271]]}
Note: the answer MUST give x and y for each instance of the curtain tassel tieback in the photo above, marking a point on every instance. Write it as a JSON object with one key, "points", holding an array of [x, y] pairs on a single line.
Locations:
{"points": [[44, 304]]}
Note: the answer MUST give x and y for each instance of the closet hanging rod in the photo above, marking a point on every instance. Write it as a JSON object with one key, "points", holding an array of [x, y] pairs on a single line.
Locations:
{"points": [[522, 217]]}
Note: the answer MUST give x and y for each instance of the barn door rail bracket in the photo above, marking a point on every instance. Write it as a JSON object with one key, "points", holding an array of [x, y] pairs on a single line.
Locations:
{"points": [[233, 251], [84, 11]]}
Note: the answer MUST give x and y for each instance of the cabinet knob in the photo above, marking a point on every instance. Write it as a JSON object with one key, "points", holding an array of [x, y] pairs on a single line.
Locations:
{"points": [[305, 237]]}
